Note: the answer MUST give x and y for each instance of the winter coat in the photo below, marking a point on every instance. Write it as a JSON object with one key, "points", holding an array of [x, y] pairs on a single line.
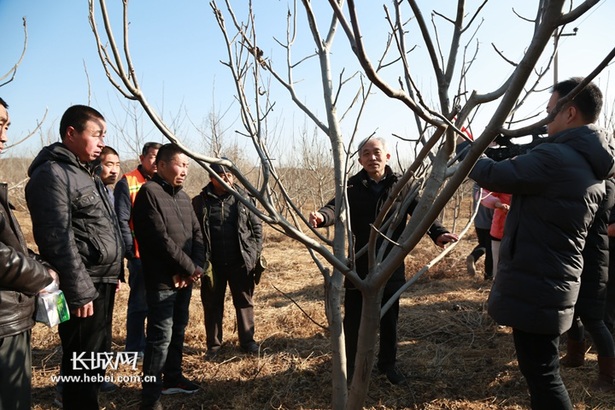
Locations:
{"points": [[22, 275], [74, 224], [556, 188], [499, 215], [249, 226], [592, 296], [364, 206], [169, 235]]}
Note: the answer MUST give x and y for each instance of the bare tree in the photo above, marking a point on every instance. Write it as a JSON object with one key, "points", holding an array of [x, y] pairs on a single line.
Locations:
{"points": [[432, 173], [10, 74]]}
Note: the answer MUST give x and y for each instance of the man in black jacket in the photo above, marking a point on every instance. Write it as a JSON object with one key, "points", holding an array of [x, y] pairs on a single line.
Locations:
{"points": [[22, 276], [75, 226], [172, 253], [233, 240], [125, 193], [367, 192], [557, 188]]}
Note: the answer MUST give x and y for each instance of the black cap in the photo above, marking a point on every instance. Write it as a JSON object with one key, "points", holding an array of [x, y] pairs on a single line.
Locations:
{"points": [[219, 169]]}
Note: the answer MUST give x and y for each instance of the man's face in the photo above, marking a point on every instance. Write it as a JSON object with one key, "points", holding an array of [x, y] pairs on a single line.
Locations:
{"points": [[227, 177], [175, 171], [373, 157], [87, 144], [148, 161], [560, 122], [5, 121], [110, 168]]}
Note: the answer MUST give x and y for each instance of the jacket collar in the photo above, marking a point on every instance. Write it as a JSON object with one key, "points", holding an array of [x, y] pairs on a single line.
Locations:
{"points": [[168, 188]]}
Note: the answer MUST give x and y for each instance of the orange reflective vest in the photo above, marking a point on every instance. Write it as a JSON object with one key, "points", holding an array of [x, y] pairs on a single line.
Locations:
{"points": [[135, 180]]}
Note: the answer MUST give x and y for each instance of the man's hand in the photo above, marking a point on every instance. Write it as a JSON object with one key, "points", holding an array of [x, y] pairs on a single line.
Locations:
{"points": [[445, 238], [316, 219], [55, 283], [86, 310], [54, 275], [196, 275], [180, 281]]}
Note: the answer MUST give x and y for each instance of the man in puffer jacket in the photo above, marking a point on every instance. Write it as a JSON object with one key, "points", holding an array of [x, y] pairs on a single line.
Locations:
{"points": [[556, 189], [76, 230], [367, 192], [233, 237], [22, 276], [173, 256]]}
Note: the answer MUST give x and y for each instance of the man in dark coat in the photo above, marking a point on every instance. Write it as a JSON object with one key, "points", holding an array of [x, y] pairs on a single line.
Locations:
{"points": [[172, 253], [590, 307], [74, 226], [367, 192], [125, 193], [22, 276], [233, 237], [557, 188]]}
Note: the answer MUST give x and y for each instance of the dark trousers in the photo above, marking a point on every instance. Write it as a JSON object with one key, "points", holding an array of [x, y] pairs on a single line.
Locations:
{"points": [[484, 248], [167, 318], [87, 336], [538, 357], [242, 290], [603, 340], [137, 308], [609, 308], [15, 372], [353, 304]]}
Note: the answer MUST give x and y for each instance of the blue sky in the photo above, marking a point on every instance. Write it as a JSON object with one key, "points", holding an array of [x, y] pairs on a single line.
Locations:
{"points": [[177, 51]]}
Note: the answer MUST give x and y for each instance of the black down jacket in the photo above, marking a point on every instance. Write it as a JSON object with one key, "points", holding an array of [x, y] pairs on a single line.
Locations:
{"points": [[21, 275], [249, 226], [592, 296], [365, 204], [169, 235], [557, 188], [74, 223]]}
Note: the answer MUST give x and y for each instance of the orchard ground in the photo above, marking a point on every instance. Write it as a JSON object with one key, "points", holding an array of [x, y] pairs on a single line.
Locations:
{"points": [[454, 355]]}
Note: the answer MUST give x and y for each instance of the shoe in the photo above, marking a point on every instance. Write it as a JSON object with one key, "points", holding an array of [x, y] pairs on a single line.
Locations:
{"points": [[107, 387], [394, 375], [470, 265], [606, 375], [58, 400], [212, 353], [183, 385], [575, 353], [251, 348], [157, 405]]}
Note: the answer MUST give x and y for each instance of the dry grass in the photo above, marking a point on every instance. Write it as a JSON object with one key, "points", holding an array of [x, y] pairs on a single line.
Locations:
{"points": [[456, 357]]}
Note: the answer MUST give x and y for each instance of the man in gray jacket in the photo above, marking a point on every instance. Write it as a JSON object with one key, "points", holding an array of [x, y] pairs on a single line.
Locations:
{"points": [[74, 226], [22, 276], [556, 189]]}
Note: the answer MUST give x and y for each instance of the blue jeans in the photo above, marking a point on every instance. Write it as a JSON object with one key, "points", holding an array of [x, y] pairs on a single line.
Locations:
{"points": [[166, 325], [137, 308], [538, 357]]}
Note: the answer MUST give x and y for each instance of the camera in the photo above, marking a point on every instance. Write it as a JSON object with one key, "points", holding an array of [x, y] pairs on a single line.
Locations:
{"points": [[508, 149]]}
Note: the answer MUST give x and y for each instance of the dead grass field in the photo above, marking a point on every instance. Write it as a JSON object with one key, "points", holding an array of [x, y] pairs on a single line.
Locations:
{"points": [[455, 356]]}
